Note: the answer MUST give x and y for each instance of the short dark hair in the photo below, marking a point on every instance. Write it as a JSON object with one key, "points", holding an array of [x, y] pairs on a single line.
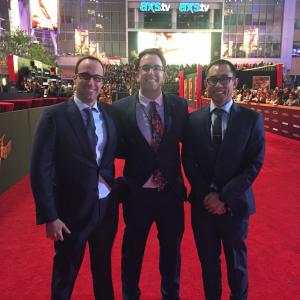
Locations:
{"points": [[87, 57], [150, 51], [219, 62]]}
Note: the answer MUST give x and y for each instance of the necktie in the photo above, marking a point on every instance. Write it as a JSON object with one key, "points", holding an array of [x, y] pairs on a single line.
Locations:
{"points": [[156, 127], [157, 133], [91, 129], [217, 129]]}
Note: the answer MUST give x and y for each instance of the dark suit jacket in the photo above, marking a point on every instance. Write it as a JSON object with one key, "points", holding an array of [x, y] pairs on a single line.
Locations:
{"points": [[140, 159], [64, 175], [238, 163]]}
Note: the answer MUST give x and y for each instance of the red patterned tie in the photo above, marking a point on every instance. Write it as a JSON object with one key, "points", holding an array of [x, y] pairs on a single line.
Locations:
{"points": [[157, 133]]}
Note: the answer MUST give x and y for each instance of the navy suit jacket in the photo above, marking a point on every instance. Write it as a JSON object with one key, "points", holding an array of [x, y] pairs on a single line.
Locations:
{"points": [[236, 166], [64, 175], [140, 159]]}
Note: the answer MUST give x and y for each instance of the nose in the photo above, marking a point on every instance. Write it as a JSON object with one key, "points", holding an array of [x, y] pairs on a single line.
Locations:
{"points": [[218, 83]]}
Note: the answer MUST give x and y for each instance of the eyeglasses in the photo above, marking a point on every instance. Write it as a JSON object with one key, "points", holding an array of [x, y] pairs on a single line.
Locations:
{"points": [[223, 80], [87, 76], [155, 68]]}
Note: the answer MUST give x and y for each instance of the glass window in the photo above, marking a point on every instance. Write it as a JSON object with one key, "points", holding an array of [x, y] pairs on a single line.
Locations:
{"points": [[158, 20], [131, 18]]}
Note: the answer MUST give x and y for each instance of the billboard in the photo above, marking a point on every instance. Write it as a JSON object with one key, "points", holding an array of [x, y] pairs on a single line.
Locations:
{"points": [[82, 42], [250, 41], [178, 48], [44, 14]]}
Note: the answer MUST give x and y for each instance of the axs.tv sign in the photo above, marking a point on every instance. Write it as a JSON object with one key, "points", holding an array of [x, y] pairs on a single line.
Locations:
{"points": [[147, 6]]}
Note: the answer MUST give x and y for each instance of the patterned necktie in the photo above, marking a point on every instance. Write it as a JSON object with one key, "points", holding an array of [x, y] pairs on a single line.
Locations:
{"points": [[157, 133], [91, 129], [156, 127], [217, 129]]}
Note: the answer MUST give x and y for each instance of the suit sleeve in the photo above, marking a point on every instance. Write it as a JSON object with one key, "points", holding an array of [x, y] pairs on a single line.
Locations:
{"points": [[42, 169], [121, 147], [198, 184], [254, 158]]}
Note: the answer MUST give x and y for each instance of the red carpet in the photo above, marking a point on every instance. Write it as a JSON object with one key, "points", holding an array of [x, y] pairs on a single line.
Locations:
{"points": [[274, 241]]}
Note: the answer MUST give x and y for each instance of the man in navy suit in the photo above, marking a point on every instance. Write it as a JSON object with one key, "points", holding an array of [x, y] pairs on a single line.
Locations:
{"points": [[152, 126], [72, 178], [223, 152]]}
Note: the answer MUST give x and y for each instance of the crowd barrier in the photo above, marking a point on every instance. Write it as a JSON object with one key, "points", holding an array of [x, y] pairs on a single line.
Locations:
{"points": [[279, 119], [18, 104], [18, 119]]}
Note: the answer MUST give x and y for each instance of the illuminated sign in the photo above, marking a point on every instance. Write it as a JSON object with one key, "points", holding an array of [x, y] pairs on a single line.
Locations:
{"points": [[177, 46], [154, 6], [147, 6], [44, 14], [193, 7]]}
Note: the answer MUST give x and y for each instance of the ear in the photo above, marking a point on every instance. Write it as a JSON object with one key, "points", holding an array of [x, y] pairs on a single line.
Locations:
{"points": [[205, 83], [235, 82], [137, 76]]}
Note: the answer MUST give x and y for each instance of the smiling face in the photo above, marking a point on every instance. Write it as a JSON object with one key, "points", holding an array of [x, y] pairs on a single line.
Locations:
{"points": [[151, 81], [220, 92], [88, 90]]}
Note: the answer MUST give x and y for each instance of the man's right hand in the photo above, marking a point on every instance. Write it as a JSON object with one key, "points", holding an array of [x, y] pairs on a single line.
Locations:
{"points": [[54, 230]]}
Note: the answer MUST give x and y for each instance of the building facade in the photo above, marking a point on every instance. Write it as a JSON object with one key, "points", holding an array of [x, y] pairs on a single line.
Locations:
{"points": [[239, 30]]}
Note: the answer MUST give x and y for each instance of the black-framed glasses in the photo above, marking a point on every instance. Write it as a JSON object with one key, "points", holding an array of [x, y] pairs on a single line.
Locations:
{"points": [[87, 76], [155, 68], [213, 80]]}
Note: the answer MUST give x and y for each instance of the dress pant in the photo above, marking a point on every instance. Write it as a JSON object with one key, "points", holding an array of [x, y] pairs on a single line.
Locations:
{"points": [[211, 232], [143, 207], [69, 254]]}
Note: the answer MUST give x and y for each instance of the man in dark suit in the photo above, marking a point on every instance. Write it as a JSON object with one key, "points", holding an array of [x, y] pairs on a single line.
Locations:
{"points": [[72, 178], [223, 152], [152, 126]]}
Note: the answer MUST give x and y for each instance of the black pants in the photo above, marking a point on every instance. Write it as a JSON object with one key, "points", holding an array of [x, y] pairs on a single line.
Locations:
{"points": [[212, 231], [141, 209], [69, 255]]}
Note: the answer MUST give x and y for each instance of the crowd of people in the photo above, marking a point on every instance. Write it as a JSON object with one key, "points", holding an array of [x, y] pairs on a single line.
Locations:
{"points": [[119, 82], [278, 96]]}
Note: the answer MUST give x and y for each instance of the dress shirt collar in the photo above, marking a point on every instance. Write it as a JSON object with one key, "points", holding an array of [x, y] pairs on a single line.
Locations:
{"points": [[226, 107], [145, 101], [81, 105]]}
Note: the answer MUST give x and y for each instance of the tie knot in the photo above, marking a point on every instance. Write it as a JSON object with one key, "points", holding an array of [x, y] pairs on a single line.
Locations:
{"points": [[218, 111], [152, 105], [87, 110]]}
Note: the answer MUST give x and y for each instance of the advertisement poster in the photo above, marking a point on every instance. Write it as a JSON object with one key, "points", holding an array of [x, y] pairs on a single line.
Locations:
{"points": [[262, 82], [81, 42], [44, 14], [190, 89], [185, 89]]}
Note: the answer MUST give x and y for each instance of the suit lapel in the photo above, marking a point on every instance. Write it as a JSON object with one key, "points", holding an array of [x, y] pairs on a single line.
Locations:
{"points": [[133, 125], [168, 114], [207, 125], [108, 126], [75, 119], [231, 126]]}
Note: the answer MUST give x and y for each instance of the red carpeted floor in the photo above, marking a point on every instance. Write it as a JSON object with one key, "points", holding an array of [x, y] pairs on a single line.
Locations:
{"points": [[274, 241]]}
